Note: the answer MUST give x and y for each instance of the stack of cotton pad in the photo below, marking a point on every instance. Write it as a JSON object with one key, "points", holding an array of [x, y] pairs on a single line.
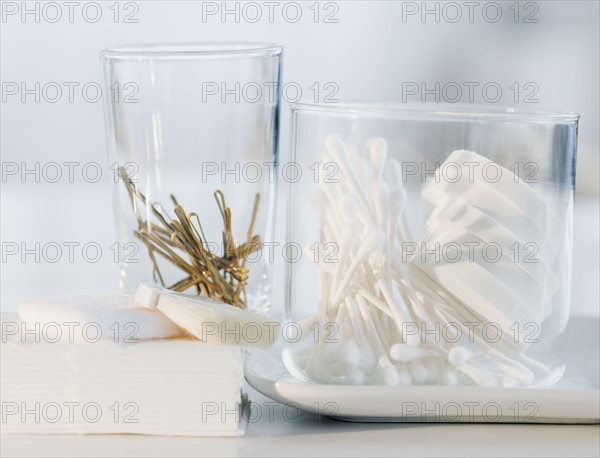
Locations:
{"points": [[490, 227], [105, 364]]}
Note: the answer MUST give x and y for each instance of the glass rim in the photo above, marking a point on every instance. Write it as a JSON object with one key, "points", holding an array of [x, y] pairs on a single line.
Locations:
{"points": [[437, 111], [190, 50]]}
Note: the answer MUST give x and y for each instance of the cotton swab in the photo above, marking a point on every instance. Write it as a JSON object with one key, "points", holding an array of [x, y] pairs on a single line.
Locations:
{"points": [[459, 355], [336, 148], [380, 194], [399, 314], [373, 240], [378, 151], [369, 357], [390, 374]]}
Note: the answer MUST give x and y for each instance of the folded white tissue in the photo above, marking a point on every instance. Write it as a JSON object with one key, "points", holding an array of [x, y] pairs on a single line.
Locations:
{"points": [[100, 364]]}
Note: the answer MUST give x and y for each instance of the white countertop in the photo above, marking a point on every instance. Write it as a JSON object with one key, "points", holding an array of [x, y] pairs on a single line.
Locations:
{"points": [[319, 436]]}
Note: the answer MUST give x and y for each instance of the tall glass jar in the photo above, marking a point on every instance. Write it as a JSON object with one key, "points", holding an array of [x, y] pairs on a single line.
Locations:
{"points": [[436, 245], [198, 122]]}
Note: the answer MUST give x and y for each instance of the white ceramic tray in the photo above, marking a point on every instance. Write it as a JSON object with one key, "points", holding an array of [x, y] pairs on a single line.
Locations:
{"points": [[574, 399]]}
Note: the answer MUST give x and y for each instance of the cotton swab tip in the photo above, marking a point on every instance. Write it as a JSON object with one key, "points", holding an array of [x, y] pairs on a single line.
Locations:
{"points": [[336, 148], [405, 352], [350, 354], [449, 378], [356, 377], [391, 376], [378, 151], [404, 378], [418, 372]]}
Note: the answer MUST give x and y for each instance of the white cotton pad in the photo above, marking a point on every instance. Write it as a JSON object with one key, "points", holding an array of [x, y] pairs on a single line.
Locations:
{"points": [[451, 310], [538, 226], [479, 291], [147, 295], [531, 259], [477, 168], [99, 312], [214, 322], [497, 207], [455, 211], [455, 242]]}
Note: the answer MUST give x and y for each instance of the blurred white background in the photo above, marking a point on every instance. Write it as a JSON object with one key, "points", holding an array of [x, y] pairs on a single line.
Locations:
{"points": [[550, 49]]}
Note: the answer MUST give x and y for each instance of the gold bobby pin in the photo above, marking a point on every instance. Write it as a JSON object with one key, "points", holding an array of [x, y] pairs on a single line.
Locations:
{"points": [[183, 243]]}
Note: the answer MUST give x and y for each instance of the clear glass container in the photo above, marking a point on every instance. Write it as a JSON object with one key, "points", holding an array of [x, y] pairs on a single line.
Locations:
{"points": [[199, 122], [436, 245]]}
